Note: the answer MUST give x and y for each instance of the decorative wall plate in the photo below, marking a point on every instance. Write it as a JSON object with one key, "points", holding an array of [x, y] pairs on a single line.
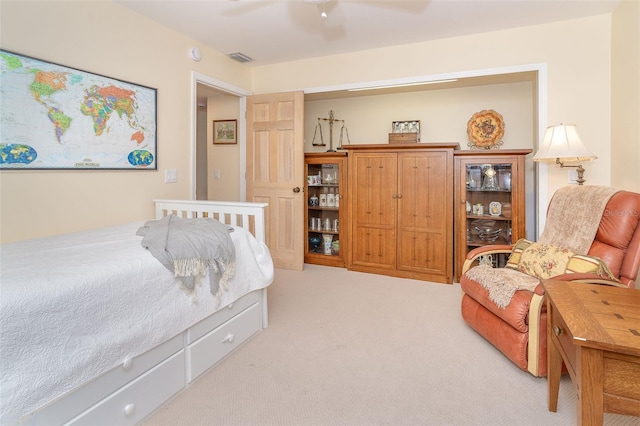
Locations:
{"points": [[485, 129]]}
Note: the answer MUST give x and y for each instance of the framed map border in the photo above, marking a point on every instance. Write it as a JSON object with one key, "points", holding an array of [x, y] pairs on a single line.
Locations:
{"points": [[140, 152]]}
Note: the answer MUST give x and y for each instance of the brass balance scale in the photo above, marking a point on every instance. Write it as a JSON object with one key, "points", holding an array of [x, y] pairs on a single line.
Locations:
{"points": [[331, 119]]}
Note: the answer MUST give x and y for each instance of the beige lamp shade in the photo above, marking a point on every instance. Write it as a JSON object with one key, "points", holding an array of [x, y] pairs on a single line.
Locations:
{"points": [[561, 143]]}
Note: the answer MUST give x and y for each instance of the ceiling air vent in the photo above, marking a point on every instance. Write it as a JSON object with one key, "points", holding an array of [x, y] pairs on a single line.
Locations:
{"points": [[240, 57]]}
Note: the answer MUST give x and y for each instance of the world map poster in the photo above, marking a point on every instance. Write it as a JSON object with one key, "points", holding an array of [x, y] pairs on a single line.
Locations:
{"points": [[56, 117]]}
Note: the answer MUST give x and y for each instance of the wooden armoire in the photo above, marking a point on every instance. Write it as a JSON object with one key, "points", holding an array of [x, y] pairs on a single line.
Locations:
{"points": [[401, 210]]}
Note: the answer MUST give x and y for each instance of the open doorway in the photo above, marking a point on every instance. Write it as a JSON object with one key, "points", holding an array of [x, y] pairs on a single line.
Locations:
{"points": [[217, 170], [202, 186]]}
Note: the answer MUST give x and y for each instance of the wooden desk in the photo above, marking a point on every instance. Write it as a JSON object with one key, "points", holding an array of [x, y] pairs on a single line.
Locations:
{"points": [[595, 330]]}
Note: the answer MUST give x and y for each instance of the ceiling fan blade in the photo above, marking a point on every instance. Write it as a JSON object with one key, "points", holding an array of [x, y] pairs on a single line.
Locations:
{"points": [[409, 6], [246, 7], [335, 16]]}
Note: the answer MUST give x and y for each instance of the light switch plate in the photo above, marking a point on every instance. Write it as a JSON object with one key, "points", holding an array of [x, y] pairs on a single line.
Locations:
{"points": [[572, 176], [170, 176]]}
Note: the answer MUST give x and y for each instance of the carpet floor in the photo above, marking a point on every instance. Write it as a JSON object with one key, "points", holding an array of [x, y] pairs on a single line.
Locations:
{"points": [[349, 348]]}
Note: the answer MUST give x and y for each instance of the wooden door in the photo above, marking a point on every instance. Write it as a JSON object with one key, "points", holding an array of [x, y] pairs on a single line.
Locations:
{"points": [[275, 162], [374, 210], [423, 195]]}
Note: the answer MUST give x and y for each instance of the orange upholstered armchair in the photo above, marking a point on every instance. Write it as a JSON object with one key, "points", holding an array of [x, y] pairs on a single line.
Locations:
{"points": [[517, 325]]}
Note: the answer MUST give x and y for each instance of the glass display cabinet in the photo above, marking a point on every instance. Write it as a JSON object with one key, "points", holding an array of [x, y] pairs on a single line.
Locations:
{"points": [[490, 206], [325, 210]]}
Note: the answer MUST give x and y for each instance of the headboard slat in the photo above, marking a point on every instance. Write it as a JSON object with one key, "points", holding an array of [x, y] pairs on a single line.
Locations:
{"points": [[247, 215]]}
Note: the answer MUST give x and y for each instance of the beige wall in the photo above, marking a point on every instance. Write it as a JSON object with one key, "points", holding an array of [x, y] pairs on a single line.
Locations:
{"points": [[625, 97], [443, 114], [576, 53], [225, 159], [105, 38]]}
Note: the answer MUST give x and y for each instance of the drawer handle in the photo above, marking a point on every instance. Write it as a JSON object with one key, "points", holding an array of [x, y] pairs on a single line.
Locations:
{"points": [[129, 409], [127, 364], [557, 330], [229, 338]]}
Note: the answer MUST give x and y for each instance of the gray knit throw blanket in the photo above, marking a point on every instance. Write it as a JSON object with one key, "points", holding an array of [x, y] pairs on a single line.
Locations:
{"points": [[190, 247]]}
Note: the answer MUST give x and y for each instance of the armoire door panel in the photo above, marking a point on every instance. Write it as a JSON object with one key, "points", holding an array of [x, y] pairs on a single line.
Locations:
{"points": [[422, 252], [374, 247], [421, 182], [375, 190]]}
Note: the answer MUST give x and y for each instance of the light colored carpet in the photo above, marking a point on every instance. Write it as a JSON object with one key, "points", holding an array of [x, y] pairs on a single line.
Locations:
{"points": [[347, 348]]}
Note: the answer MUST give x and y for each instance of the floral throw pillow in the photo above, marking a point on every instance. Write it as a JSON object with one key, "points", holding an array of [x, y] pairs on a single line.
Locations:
{"points": [[544, 260], [516, 252]]}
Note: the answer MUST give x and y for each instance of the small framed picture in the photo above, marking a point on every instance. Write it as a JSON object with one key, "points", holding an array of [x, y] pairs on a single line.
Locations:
{"points": [[495, 208], [225, 132]]}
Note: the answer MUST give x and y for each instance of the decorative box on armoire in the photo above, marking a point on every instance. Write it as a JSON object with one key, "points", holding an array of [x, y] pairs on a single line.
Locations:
{"points": [[490, 201], [401, 210], [325, 212]]}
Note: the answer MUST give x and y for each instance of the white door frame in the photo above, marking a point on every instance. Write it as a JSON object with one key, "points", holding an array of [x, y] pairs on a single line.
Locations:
{"points": [[197, 78]]}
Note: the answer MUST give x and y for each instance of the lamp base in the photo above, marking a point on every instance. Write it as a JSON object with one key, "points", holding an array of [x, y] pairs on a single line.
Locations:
{"points": [[580, 171], [581, 180]]}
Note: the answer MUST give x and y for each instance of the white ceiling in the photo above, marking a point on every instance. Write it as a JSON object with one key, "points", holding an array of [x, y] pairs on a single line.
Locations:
{"points": [[272, 31]]}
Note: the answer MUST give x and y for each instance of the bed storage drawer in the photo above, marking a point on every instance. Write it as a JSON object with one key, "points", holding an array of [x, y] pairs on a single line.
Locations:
{"points": [[211, 348], [221, 316], [69, 406], [139, 398]]}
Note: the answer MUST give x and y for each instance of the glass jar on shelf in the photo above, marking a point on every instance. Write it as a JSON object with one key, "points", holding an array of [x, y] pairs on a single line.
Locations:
{"points": [[323, 198], [331, 198]]}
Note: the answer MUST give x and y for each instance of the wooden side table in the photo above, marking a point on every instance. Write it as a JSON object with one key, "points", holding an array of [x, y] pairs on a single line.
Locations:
{"points": [[595, 330]]}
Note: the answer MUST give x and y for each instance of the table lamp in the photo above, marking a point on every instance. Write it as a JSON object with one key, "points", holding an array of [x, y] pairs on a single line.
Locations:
{"points": [[562, 144]]}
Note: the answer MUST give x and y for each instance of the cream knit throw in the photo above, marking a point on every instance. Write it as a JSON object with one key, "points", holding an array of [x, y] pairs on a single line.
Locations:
{"points": [[502, 283], [574, 215]]}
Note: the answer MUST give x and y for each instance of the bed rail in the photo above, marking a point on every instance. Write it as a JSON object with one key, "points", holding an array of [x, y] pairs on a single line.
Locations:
{"points": [[247, 215]]}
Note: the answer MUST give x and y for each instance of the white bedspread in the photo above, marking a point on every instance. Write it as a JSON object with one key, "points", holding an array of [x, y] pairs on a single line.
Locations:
{"points": [[74, 306]]}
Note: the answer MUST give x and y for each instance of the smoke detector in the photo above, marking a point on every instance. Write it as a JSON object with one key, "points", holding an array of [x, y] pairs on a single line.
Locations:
{"points": [[196, 55]]}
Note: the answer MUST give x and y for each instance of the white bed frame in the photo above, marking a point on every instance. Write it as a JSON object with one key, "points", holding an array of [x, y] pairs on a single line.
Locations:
{"points": [[130, 392]]}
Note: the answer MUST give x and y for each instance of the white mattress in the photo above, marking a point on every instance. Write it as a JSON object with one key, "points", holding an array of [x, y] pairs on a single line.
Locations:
{"points": [[74, 306]]}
